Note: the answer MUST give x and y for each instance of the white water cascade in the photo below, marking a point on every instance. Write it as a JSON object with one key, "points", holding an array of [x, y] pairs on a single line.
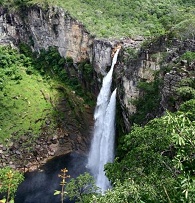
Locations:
{"points": [[102, 146]]}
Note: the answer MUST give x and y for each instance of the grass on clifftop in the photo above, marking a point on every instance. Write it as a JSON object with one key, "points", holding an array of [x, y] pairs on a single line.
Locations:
{"points": [[28, 99], [128, 18], [23, 107], [24, 98]]}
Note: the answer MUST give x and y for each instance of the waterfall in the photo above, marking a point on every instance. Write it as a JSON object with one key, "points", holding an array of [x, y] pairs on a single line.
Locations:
{"points": [[102, 146], [107, 143]]}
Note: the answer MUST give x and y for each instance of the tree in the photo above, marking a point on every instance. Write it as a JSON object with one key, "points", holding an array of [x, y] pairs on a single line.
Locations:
{"points": [[81, 187], [128, 191], [158, 159], [183, 137]]}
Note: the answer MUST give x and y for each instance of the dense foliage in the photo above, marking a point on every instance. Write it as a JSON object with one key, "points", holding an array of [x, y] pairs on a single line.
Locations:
{"points": [[148, 101], [81, 188], [51, 65], [113, 18], [157, 160]]}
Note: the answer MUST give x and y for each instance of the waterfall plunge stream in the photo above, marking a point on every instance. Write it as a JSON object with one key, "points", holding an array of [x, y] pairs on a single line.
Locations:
{"points": [[102, 146]]}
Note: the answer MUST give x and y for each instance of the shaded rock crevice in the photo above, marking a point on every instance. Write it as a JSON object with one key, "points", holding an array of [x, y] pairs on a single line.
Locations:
{"points": [[158, 56]]}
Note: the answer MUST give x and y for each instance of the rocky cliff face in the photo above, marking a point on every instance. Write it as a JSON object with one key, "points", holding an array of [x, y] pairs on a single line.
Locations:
{"points": [[156, 56], [181, 69], [53, 26], [131, 70], [43, 28]]}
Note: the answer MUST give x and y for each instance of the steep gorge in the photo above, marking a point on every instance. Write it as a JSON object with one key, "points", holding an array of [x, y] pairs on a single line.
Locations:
{"points": [[52, 26]]}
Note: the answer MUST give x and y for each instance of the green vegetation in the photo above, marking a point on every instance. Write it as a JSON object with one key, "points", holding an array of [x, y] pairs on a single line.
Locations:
{"points": [[157, 161], [186, 91], [189, 56], [51, 65], [113, 18], [22, 112], [9, 181], [127, 17], [80, 189], [148, 102], [30, 89]]}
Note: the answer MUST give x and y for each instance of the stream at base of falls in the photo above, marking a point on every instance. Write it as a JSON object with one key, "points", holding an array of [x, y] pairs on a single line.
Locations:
{"points": [[39, 186]]}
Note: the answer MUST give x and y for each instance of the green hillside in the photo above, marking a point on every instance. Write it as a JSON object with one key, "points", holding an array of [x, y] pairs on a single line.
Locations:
{"points": [[30, 91], [127, 18]]}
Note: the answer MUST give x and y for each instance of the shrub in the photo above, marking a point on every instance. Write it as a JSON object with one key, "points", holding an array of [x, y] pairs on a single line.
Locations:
{"points": [[189, 56], [9, 181]]}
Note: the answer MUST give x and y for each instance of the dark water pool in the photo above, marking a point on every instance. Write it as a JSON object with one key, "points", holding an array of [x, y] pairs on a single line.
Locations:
{"points": [[38, 187]]}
